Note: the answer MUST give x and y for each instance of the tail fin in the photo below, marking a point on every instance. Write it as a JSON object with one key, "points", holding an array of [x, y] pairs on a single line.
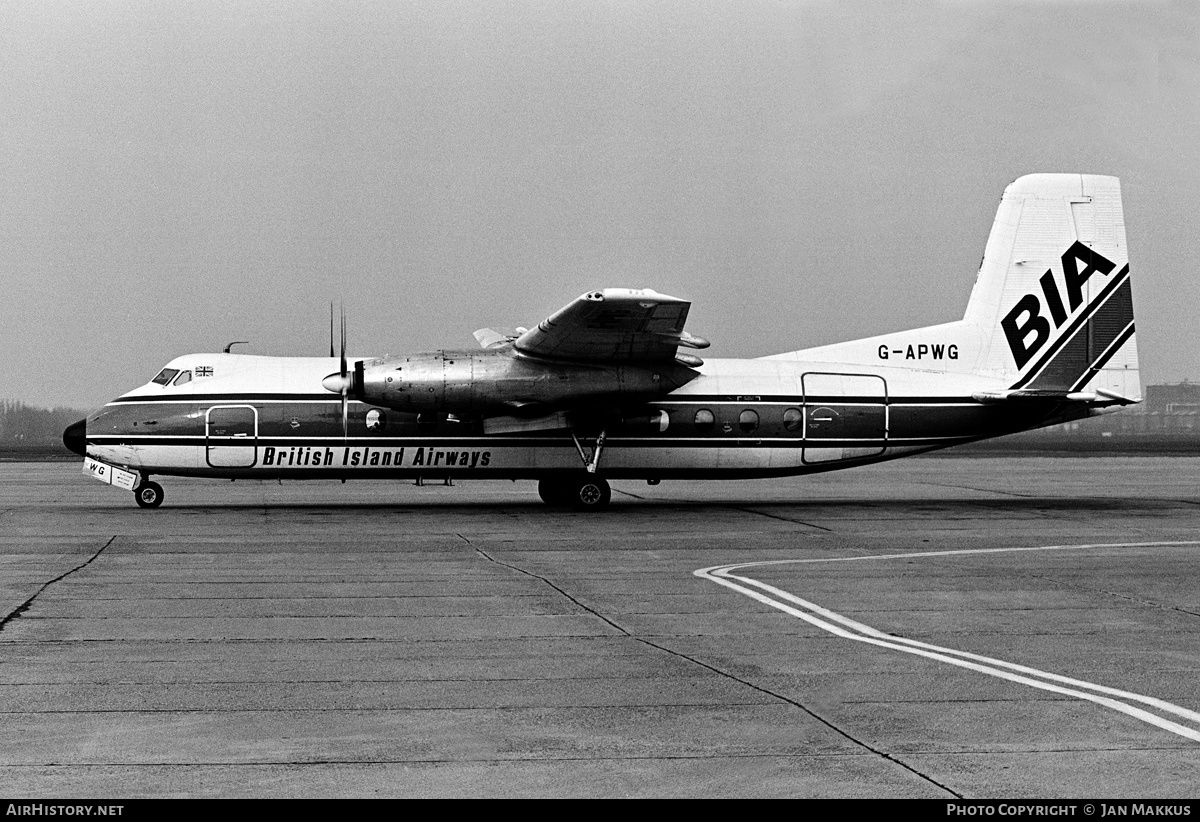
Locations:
{"points": [[1053, 293]]}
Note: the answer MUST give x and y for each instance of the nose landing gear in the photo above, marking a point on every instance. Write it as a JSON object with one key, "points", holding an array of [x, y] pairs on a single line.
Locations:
{"points": [[148, 494]]}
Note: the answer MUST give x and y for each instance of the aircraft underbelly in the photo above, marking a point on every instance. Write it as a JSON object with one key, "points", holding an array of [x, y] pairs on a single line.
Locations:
{"points": [[744, 456], [649, 460]]}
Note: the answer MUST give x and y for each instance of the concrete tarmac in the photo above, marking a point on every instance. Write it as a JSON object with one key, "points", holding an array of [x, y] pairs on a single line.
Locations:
{"points": [[380, 639]]}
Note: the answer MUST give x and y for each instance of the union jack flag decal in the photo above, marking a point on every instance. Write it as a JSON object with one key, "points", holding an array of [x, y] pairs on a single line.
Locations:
{"points": [[204, 371]]}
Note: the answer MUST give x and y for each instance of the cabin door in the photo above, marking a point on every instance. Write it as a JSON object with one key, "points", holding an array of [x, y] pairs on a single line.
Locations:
{"points": [[845, 416], [231, 436]]}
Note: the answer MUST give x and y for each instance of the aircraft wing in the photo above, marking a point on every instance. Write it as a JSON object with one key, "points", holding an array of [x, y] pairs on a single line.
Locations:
{"points": [[618, 325]]}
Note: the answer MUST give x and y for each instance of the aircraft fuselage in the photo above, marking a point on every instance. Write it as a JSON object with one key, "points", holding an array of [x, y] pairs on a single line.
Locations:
{"points": [[739, 418], [599, 390]]}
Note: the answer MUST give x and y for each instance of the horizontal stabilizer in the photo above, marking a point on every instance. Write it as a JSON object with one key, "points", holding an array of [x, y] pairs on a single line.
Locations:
{"points": [[496, 337], [1050, 395]]}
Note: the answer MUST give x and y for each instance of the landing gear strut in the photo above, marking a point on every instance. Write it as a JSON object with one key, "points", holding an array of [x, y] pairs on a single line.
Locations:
{"points": [[148, 494], [583, 492], [592, 462]]}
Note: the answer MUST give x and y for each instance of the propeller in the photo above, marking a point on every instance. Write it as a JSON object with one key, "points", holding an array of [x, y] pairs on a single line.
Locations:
{"points": [[340, 382], [345, 380]]}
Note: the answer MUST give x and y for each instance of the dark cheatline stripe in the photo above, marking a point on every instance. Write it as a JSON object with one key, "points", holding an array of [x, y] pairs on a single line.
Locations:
{"points": [[210, 399], [1070, 355], [448, 444]]}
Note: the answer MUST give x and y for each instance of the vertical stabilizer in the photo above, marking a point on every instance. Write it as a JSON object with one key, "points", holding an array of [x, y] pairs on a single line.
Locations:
{"points": [[1053, 293]]}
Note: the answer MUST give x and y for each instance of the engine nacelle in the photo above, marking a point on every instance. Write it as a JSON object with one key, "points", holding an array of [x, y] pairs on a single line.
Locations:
{"points": [[503, 380]]}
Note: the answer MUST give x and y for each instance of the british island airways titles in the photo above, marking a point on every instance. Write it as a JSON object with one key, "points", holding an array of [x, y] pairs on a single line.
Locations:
{"points": [[368, 457]]}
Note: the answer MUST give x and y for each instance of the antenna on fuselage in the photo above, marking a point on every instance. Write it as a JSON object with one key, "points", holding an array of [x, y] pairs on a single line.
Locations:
{"points": [[236, 342]]}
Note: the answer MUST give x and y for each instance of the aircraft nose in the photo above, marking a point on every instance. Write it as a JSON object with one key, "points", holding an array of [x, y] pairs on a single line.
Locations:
{"points": [[75, 437]]}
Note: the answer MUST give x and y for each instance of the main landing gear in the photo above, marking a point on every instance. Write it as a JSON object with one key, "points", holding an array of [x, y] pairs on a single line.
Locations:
{"points": [[583, 492], [148, 494]]}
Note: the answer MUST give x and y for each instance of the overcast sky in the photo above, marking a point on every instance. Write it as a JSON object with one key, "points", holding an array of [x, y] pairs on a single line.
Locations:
{"points": [[177, 175]]}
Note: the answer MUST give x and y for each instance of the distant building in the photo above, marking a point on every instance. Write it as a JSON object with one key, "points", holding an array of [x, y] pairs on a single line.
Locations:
{"points": [[1165, 410], [1171, 399]]}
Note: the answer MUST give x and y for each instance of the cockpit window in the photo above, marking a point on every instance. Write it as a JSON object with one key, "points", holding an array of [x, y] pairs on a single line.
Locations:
{"points": [[183, 378], [165, 376]]}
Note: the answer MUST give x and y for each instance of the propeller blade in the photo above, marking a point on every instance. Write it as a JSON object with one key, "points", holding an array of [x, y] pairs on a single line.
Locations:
{"points": [[345, 383]]}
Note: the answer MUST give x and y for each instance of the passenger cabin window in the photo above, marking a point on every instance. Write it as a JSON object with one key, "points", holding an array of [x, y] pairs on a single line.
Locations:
{"points": [[183, 378], [792, 419], [704, 420], [748, 421], [165, 376]]}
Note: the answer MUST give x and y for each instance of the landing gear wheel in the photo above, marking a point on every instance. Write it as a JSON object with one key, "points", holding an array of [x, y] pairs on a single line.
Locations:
{"points": [[554, 492], [590, 493], [583, 492], [148, 495]]}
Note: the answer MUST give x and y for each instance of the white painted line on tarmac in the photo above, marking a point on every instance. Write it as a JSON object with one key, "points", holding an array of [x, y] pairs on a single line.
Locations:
{"points": [[839, 625]]}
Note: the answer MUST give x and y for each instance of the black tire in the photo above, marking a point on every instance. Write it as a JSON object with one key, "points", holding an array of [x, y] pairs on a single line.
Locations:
{"points": [[148, 495], [554, 492], [590, 493]]}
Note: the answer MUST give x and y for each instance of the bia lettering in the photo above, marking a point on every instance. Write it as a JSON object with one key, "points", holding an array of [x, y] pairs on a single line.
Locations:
{"points": [[1026, 318]]}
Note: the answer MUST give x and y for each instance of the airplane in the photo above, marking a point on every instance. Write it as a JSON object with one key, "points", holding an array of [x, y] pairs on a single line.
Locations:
{"points": [[601, 390]]}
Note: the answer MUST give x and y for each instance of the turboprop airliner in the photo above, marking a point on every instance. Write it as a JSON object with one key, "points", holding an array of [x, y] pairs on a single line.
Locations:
{"points": [[601, 390]]}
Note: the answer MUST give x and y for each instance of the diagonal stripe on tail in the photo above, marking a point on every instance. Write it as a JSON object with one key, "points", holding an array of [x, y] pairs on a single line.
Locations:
{"points": [[1092, 338]]}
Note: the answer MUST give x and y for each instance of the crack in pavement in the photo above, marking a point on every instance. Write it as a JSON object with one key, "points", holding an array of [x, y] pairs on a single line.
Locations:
{"points": [[591, 611], [726, 674], [1114, 594], [24, 606], [732, 507], [776, 516]]}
